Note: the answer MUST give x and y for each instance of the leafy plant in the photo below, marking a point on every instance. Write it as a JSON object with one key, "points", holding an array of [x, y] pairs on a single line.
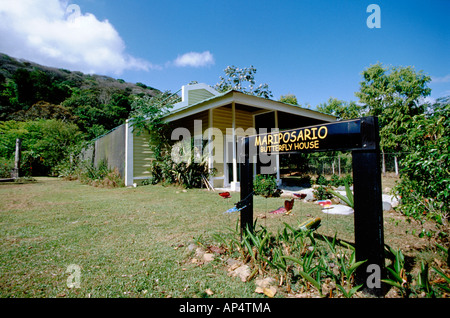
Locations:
{"points": [[183, 166], [446, 252], [322, 193], [321, 180], [445, 287], [348, 199], [297, 258], [347, 269], [5, 167], [45, 143], [97, 176], [265, 185], [424, 185], [397, 275], [410, 285], [423, 280]]}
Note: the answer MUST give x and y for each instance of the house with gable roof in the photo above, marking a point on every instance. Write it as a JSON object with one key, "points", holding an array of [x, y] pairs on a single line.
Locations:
{"points": [[219, 118]]}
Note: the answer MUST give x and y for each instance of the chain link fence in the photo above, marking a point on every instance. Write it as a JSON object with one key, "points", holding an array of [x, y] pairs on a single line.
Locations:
{"points": [[337, 163]]}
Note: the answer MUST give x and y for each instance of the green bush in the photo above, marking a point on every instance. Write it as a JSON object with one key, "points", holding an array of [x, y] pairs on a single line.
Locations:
{"points": [[424, 186], [85, 171], [45, 143], [5, 167], [321, 180], [265, 185], [321, 193], [100, 176], [335, 180], [180, 167], [188, 175]]}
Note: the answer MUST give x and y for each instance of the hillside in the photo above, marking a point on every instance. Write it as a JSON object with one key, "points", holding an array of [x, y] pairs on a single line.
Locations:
{"points": [[96, 103], [9, 66]]}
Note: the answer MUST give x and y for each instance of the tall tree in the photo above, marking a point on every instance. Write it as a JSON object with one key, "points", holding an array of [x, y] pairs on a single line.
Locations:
{"points": [[395, 95], [341, 109], [148, 113], [289, 99], [243, 80]]}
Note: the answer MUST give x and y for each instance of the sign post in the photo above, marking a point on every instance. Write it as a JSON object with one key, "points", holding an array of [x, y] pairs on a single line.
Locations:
{"points": [[361, 136], [246, 190]]}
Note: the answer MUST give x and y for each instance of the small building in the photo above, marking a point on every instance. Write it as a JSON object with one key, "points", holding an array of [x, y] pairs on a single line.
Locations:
{"points": [[220, 119]]}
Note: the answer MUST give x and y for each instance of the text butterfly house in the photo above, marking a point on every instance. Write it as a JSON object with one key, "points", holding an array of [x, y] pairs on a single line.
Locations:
{"points": [[361, 136]]}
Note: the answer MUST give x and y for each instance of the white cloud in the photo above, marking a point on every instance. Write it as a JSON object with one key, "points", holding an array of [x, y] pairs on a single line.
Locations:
{"points": [[53, 33], [195, 59], [441, 79]]}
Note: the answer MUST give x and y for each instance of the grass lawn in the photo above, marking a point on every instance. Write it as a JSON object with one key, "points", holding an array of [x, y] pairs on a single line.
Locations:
{"points": [[132, 242]]}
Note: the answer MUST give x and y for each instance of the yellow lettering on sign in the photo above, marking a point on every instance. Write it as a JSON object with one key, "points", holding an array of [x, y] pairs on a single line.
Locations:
{"points": [[257, 141], [264, 141], [307, 134], [300, 135], [322, 132], [307, 138], [314, 133], [292, 136]]}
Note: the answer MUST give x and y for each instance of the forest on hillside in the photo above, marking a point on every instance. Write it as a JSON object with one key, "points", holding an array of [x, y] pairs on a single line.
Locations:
{"points": [[53, 110], [96, 103]]}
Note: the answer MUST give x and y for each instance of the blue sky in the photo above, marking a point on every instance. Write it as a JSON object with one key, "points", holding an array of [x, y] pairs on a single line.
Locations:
{"points": [[312, 49]]}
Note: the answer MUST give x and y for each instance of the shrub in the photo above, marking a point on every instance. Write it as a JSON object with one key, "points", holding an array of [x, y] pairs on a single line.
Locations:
{"points": [[265, 185], [335, 180], [45, 143], [321, 193], [111, 180], [5, 167], [321, 180], [424, 185], [67, 169], [180, 167], [87, 173]]}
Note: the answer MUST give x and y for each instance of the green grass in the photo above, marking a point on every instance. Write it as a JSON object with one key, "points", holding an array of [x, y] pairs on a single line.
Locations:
{"points": [[132, 242], [128, 242]]}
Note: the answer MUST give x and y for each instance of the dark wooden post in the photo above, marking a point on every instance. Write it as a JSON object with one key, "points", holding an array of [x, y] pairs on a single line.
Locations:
{"points": [[246, 186], [362, 137], [368, 206]]}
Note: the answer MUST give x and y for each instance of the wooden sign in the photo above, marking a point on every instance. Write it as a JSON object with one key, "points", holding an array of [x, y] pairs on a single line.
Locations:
{"points": [[343, 135], [361, 136]]}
